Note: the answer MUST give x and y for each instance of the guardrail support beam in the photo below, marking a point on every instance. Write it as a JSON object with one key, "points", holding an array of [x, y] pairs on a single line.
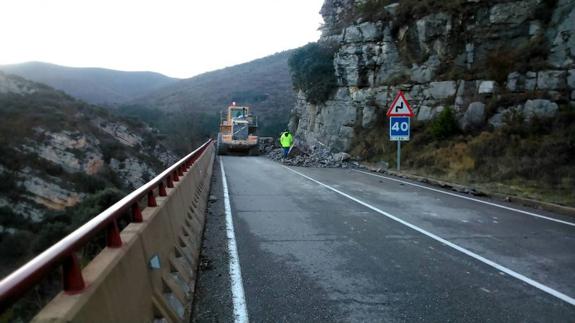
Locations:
{"points": [[113, 239], [73, 280], [137, 213], [163, 189], [151, 199]]}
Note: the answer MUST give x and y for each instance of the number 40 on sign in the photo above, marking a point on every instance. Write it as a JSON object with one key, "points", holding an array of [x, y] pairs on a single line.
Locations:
{"points": [[399, 128]]}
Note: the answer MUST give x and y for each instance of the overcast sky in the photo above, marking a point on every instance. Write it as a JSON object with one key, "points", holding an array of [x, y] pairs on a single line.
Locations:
{"points": [[179, 38]]}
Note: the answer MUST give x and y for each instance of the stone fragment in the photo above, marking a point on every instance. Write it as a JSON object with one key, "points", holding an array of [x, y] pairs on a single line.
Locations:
{"points": [[530, 81], [352, 34], [347, 65], [562, 35], [474, 115], [369, 116], [425, 72], [496, 121], [391, 9], [539, 108], [512, 13], [534, 28], [384, 97], [513, 80], [469, 54], [486, 87], [424, 113], [460, 95], [571, 79], [341, 157], [370, 31], [551, 80], [389, 61], [442, 90]]}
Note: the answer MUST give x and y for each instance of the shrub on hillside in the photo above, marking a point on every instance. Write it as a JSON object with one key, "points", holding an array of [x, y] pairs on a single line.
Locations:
{"points": [[312, 71], [444, 125], [9, 219], [14, 245]]}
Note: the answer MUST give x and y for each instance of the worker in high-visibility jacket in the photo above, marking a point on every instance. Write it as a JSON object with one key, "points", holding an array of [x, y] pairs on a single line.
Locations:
{"points": [[286, 141]]}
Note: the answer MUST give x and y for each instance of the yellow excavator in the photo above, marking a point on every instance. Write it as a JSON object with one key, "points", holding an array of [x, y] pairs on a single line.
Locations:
{"points": [[237, 131]]}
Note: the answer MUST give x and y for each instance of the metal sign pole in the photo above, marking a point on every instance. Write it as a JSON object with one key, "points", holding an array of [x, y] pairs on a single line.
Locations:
{"points": [[398, 155], [399, 114]]}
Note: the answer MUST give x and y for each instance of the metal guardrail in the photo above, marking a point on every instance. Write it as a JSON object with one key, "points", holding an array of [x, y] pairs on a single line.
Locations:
{"points": [[63, 252]]}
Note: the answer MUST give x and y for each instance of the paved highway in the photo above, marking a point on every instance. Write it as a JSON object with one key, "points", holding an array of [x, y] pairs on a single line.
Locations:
{"points": [[316, 245]]}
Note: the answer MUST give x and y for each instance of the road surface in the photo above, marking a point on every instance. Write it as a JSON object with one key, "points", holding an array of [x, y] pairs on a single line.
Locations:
{"points": [[337, 245]]}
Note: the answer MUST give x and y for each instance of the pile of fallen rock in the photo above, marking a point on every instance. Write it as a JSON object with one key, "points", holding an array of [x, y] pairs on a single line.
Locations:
{"points": [[317, 158]]}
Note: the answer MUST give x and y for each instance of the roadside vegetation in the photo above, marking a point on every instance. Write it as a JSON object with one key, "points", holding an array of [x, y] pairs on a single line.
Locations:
{"points": [[528, 159], [24, 120], [312, 71]]}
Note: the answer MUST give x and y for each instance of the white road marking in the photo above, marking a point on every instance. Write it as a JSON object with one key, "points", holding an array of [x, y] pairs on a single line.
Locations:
{"points": [[469, 198], [238, 296], [484, 260]]}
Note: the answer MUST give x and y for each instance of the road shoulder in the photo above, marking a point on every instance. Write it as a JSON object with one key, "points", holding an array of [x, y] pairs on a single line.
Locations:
{"points": [[212, 298]]}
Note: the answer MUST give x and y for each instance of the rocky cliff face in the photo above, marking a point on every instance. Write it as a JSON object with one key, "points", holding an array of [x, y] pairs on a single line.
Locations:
{"points": [[55, 151], [485, 59]]}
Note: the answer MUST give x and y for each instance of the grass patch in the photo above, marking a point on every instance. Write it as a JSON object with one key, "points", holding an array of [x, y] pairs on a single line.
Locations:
{"points": [[528, 159]]}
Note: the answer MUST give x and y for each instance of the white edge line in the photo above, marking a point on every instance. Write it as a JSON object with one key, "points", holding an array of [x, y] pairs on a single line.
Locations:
{"points": [[238, 296], [486, 261], [468, 198]]}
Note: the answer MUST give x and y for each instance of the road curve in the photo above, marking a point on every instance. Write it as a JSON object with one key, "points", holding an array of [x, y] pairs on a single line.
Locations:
{"points": [[341, 245]]}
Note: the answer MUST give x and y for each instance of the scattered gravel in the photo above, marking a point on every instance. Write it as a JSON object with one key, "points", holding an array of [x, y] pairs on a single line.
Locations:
{"points": [[322, 158]]}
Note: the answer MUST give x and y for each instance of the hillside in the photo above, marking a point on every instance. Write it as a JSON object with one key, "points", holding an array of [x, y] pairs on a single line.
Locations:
{"points": [[263, 84], [93, 85], [492, 85], [61, 162]]}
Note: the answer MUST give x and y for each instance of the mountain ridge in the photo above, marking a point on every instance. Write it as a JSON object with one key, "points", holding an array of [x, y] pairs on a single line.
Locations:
{"points": [[92, 84]]}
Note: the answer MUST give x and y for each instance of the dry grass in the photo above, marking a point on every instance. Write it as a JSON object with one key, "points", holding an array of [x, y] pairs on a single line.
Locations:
{"points": [[532, 160]]}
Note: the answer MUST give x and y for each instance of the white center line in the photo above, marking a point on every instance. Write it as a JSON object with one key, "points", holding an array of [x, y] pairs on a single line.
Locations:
{"points": [[484, 260], [469, 198], [238, 296]]}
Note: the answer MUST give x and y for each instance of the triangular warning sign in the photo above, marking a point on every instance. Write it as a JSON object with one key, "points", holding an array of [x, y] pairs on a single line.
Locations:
{"points": [[400, 107]]}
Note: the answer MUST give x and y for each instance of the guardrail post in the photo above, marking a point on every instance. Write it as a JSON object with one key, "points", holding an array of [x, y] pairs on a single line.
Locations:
{"points": [[180, 171], [72, 275], [152, 199], [175, 176], [170, 182], [113, 239], [163, 189], [137, 213]]}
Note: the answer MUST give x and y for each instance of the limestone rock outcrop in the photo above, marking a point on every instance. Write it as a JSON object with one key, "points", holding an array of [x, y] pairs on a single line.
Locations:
{"points": [[471, 58], [55, 151]]}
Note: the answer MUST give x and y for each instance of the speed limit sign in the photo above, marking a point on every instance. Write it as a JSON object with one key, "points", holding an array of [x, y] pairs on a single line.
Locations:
{"points": [[399, 128]]}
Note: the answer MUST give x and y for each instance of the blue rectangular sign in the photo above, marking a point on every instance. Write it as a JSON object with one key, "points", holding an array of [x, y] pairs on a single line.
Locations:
{"points": [[399, 128]]}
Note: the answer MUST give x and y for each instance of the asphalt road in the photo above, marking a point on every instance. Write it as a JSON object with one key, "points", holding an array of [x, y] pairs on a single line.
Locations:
{"points": [[335, 245]]}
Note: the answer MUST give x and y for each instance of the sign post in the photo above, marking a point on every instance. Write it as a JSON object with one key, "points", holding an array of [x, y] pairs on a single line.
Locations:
{"points": [[399, 114]]}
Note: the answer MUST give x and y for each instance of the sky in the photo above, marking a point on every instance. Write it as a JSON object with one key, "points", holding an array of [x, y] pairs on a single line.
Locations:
{"points": [[178, 38]]}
